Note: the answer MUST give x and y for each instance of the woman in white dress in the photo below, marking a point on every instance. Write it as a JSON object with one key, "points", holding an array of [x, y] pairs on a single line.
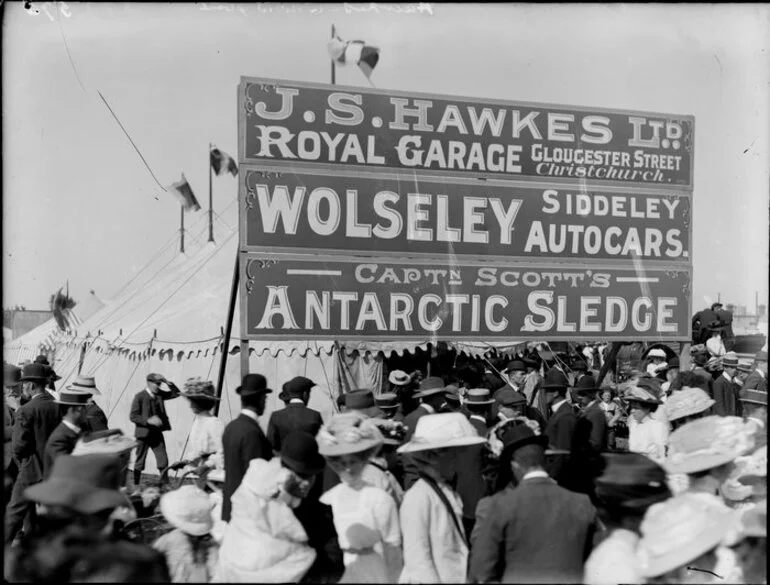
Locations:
{"points": [[206, 430], [647, 434], [365, 516]]}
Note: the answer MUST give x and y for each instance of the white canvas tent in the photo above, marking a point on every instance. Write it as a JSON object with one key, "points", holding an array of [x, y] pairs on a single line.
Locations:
{"points": [[170, 319]]}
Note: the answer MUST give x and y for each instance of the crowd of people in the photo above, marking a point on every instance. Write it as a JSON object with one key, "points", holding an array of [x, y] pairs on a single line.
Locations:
{"points": [[536, 472]]}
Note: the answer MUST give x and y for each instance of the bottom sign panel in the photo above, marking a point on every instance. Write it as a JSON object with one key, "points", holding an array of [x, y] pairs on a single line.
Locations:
{"points": [[307, 298]]}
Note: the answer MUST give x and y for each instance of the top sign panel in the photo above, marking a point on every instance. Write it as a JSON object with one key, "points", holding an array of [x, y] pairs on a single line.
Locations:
{"points": [[311, 125]]}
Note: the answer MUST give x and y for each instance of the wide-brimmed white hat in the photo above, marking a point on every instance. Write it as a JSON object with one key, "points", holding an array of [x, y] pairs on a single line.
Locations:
{"points": [[346, 433], [680, 530], [112, 442], [188, 509], [687, 402], [439, 431], [707, 443]]}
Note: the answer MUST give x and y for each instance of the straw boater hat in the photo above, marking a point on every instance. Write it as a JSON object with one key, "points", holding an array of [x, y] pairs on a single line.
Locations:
{"points": [[387, 401], [87, 484], [707, 443], [479, 397], [429, 386], [687, 402], [84, 384], [188, 508], [110, 442], [745, 366], [399, 378], [439, 431], [199, 389], [362, 401], [730, 360], [73, 398], [657, 352], [346, 433], [679, 530]]}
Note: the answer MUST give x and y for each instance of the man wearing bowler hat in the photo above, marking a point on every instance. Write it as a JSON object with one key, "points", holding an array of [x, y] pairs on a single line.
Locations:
{"points": [[148, 413], [561, 424], [243, 439], [35, 421], [537, 532], [296, 416], [62, 441]]}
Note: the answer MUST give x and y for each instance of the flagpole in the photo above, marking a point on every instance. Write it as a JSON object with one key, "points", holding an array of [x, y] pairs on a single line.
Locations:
{"points": [[334, 71], [211, 202], [181, 229]]}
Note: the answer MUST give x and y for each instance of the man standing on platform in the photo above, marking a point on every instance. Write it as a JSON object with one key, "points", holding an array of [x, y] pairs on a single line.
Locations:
{"points": [[296, 416], [35, 421], [148, 413], [243, 439], [725, 389]]}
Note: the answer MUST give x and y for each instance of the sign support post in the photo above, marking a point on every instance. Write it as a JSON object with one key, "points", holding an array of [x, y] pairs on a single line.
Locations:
{"points": [[228, 331]]}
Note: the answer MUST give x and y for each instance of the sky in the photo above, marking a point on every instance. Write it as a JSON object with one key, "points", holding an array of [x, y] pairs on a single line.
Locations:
{"points": [[79, 206]]}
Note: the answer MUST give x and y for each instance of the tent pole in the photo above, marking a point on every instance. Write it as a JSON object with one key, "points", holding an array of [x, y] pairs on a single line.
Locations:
{"points": [[228, 331]]}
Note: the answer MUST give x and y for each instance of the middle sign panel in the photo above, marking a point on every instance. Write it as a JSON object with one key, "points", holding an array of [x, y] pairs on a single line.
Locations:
{"points": [[402, 215]]}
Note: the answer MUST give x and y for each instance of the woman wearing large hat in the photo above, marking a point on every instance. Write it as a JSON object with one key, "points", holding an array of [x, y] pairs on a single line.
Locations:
{"points": [[190, 550], [365, 515], [206, 431], [685, 533], [264, 542], [435, 543], [646, 435]]}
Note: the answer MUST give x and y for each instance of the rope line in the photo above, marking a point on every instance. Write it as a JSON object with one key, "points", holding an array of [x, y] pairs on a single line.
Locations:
{"points": [[130, 378]]}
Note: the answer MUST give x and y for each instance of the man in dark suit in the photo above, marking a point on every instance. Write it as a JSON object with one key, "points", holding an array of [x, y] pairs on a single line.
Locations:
{"points": [[725, 390], [35, 421], [296, 416], [12, 388], [757, 380], [148, 413], [72, 426], [537, 532], [243, 439], [561, 424], [589, 440], [96, 420], [474, 482], [431, 397]]}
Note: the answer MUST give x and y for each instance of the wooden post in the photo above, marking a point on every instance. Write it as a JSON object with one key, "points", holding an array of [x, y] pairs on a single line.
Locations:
{"points": [[228, 331], [244, 357], [181, 229], [334, 70], [211, 201]]}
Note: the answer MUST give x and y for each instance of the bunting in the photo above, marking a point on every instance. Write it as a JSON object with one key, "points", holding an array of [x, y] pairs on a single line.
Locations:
{"points": [[223, 163], [356, 52], [184, 193]]}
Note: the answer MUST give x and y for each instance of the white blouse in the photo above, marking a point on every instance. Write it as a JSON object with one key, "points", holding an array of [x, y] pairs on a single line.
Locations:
{"points": [[205, 436], [648, 437]]}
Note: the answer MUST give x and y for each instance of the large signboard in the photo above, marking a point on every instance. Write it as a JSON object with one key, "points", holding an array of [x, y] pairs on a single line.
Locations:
{"points": [[353, 214], [321, 126], [311, 298]]}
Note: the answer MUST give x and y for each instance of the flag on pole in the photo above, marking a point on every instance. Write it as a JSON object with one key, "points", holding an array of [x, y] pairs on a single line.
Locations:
{"points": [[183, 192], [356, 52], [223, 163]]}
